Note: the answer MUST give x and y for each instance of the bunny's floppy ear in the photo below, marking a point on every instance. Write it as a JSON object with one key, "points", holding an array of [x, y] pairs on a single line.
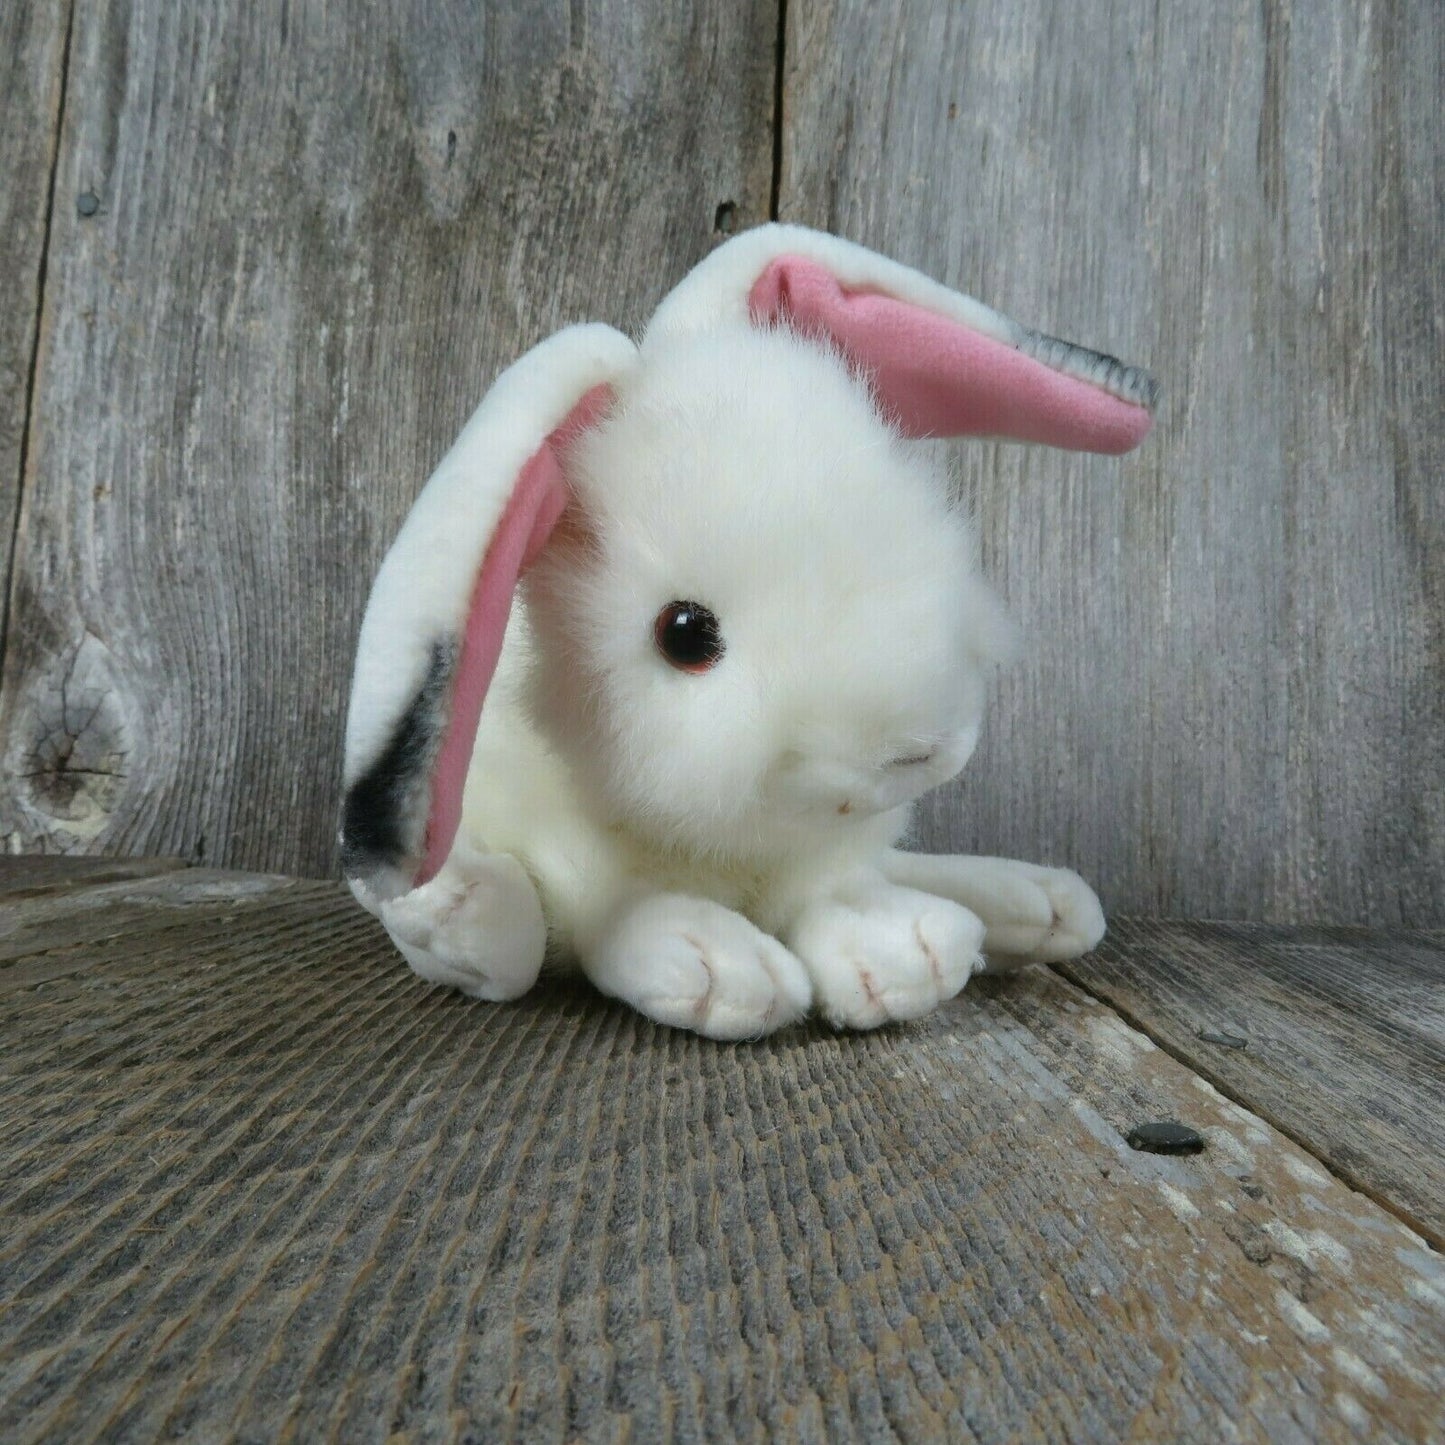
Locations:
{"points": [[941, 363], [437, 613]]}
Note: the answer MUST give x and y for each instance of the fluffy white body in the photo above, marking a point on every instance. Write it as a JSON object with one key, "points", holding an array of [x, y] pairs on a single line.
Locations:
{"points": [[718, 849]]}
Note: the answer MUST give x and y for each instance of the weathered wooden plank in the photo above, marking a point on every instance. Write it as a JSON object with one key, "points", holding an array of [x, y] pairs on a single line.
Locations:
{"points": [[40, 873], [259, 1179], [1232, 703], [32, 81], [321, 231], [1343, 1036], [45, 936]]}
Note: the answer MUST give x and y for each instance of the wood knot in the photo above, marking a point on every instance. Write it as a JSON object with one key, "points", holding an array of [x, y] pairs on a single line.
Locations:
{"points": [[73, 767]]}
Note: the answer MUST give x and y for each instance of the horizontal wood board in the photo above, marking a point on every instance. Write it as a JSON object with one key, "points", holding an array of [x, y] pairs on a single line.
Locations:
{"points": [[258, 1179], [1342, 1033], [41, 873]]}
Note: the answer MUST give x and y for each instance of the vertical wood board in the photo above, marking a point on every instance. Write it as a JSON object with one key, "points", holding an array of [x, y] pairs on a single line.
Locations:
{"points": [[32, 62], [1232, 699], [322, 230]]}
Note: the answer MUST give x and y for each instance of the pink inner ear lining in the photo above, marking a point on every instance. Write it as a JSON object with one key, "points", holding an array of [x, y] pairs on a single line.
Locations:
{"points": [[533, 510], [940, 378]]}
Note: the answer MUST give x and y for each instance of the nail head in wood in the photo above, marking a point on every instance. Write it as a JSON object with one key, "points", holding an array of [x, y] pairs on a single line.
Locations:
{"points": [[1166, 1136]]}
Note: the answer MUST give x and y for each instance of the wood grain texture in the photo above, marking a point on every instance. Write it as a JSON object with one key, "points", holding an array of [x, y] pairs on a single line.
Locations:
{"points": [[32, 58], [1233, 698], [259, 1180], [48, 873], [1344, 1031], [322, 230]]}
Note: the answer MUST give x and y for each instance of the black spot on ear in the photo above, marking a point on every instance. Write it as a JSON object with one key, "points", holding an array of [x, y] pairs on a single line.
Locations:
{"points": [[384, 814]]}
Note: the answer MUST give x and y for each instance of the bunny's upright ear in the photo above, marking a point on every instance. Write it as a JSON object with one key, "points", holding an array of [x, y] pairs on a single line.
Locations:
{"points": [[941, 363], [434, 623]]}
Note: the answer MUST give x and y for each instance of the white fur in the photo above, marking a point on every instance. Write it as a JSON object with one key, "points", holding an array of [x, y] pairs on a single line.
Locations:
{"points": [[748, 471], [426, 579], [477, 926], [1032, 914], [717, 289], [695, 964], [877, 952], [671, 828]]}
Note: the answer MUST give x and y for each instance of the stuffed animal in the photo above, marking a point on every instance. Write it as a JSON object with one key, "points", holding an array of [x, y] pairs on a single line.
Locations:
{"points": [[677, 633]]}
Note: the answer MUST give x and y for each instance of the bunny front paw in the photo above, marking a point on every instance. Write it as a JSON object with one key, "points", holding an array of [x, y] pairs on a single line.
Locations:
{"points": [[476, 927], [696, 965], [882, 953]]}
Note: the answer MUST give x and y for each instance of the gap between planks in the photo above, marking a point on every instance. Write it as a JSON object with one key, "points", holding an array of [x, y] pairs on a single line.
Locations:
{"points": [[1093, 976], [27, 417]]}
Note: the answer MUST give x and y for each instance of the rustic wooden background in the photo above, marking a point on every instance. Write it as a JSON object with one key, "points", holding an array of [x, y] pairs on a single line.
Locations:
{"points": [[262, 257]]}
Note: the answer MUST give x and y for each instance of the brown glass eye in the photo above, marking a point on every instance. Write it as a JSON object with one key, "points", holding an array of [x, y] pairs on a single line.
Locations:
{"points": [[688, 636]]}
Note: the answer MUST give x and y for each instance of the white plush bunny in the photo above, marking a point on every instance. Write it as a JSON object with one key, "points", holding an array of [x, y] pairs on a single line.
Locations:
{"points": [[751, 634]]}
